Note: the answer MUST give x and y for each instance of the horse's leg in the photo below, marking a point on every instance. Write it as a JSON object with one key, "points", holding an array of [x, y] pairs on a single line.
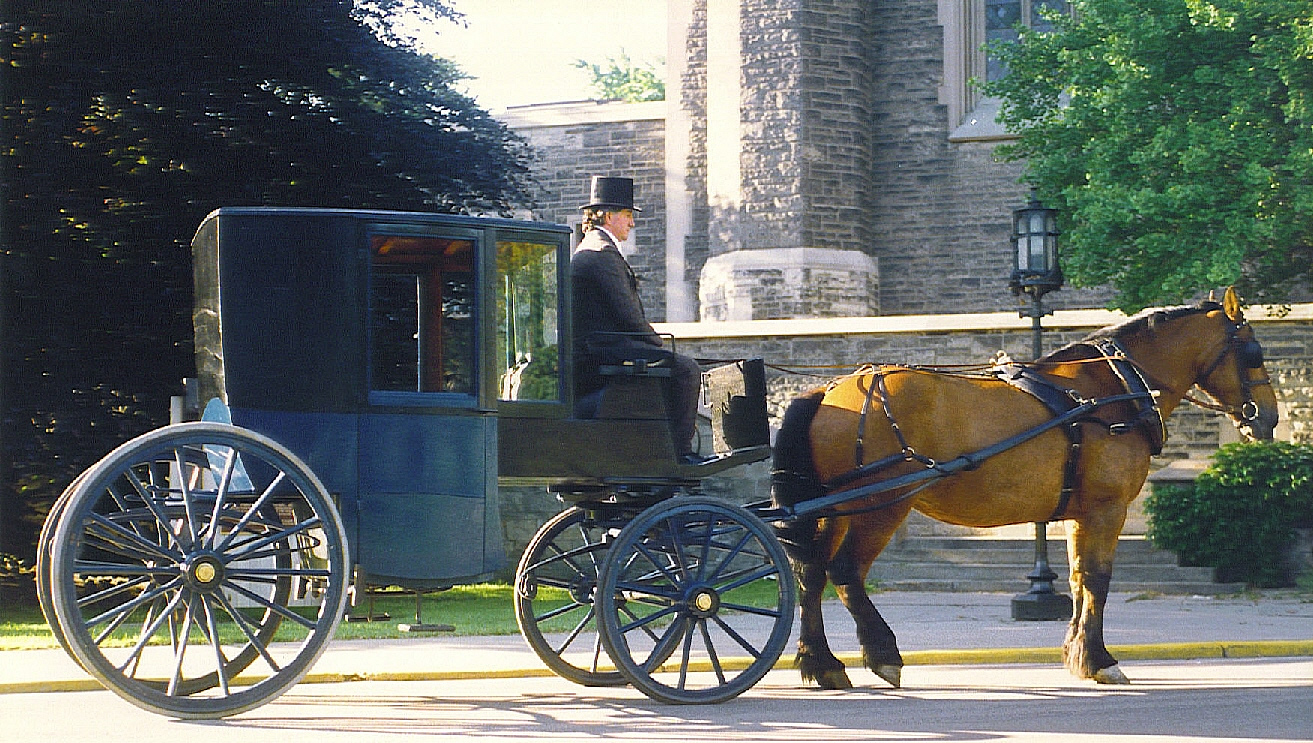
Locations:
{"points": [[815, 661], [808, 541], [847, 571], [1092, 544]]}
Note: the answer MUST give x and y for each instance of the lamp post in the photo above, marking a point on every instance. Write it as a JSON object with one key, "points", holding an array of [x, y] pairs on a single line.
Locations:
{"points": [[1035, 272]]}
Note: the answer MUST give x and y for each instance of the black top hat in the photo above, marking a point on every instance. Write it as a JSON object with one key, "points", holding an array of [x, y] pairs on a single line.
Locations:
{"points": [[611, 193]]}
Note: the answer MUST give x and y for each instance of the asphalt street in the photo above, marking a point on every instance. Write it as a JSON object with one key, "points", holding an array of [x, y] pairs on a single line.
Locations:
{"points": [[1214, 701]]}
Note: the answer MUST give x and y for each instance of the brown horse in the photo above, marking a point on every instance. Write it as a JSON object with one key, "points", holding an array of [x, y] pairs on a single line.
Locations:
{"points": [[1112, 389]]}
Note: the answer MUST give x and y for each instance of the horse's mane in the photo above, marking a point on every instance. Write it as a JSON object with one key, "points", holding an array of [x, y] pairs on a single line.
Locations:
{"points": [[1144, 321]]}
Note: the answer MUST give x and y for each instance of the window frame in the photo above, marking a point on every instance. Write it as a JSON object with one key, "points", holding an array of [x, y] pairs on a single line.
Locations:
{"points": [[972, 117], [560, 407], [427, 398]]}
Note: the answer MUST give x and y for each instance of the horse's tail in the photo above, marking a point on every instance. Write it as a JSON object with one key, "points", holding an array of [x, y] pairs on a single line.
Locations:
{"points": [[793, 477]]}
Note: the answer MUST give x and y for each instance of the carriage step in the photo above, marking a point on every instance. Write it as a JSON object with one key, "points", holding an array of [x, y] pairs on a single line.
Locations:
{"points": [[963, 564]]}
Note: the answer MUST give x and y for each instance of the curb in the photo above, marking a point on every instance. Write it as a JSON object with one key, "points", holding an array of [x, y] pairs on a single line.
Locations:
{"points": [[983, 656]]}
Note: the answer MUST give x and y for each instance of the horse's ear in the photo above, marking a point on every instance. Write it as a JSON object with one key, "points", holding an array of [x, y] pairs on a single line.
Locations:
{"points": [[1231, 304]]}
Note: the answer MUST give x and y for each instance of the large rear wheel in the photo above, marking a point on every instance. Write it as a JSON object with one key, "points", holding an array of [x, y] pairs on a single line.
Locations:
{"points": [[177, 558], [704, 584]]}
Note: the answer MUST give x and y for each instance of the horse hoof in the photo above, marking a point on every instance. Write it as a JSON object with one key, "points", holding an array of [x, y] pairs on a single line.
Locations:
{"points": [[833, 680], [1110, 675], [891, 674]]}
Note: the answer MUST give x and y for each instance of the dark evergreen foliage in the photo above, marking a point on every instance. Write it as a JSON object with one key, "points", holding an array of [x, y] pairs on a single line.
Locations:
{"points": [[125, 123]]}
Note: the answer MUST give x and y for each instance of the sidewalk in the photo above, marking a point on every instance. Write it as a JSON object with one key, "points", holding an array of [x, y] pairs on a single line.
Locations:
{"points": [[932, 628]]}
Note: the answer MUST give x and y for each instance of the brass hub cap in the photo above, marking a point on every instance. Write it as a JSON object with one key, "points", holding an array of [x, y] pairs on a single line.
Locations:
{"points": [[704, 601], [205, 573]]}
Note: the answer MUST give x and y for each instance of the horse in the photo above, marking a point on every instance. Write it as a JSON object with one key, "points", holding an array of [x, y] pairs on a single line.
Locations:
{"points": [[1068, 437]]}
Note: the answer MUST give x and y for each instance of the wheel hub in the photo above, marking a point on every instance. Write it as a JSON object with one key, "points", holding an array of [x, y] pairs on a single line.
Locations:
{"points": [[582, 589], [703, 601], [204, 572]]}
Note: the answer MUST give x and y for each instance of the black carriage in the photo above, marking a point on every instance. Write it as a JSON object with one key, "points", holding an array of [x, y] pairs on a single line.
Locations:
{"points": [[366, 379]]}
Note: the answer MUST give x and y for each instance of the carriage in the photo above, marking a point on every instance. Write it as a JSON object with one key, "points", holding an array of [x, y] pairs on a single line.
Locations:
{"points": [[366, 381]]}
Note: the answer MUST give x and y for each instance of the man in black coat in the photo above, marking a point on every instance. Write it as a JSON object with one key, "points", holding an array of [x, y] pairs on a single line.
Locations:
{"points": [[609, 323]]}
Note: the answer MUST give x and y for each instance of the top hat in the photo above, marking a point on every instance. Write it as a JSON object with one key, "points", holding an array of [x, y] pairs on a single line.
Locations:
{"points": [[611, 193]]}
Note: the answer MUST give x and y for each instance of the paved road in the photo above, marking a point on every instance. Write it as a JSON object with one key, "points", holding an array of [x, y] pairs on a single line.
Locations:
{"points": [[1214, 701]]}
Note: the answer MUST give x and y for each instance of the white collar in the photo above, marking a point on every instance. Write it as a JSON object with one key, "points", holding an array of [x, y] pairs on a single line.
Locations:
{"points": [[609, 236]]}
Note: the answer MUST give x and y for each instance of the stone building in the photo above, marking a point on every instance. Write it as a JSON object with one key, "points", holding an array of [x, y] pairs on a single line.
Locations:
{"points": [[815, 158], [829, 159]]}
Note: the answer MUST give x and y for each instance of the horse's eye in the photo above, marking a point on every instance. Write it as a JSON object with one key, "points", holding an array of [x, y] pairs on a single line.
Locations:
{"points": [[1250, 354]]}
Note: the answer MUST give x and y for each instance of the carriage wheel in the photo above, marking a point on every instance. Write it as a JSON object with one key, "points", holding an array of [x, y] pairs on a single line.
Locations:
{"points": [[177, 557], [44, 546], [566, 554], [712, 584]]}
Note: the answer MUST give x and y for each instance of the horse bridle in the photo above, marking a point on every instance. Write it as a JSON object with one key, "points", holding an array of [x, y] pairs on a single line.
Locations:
{"points": [[1248, 355]]}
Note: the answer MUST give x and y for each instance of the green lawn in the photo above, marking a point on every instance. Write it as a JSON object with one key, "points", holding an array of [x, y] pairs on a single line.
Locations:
{"points": [[483, 609]]}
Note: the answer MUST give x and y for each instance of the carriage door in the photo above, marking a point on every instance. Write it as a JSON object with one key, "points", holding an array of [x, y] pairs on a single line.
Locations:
{"points": [[428, 461]]}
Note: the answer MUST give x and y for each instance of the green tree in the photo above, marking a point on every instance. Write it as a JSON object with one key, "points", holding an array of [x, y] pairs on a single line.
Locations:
{"points": [[622, 80], [1177, 136], [125, 123]]}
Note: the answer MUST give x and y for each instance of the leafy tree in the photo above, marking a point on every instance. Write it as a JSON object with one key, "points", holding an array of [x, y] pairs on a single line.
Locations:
{"points": [[622, 80], [1177, 136], [125, 123]]}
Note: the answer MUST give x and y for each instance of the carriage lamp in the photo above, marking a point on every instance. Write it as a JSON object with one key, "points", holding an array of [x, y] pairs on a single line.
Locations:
{"points": [[1035, 272]]}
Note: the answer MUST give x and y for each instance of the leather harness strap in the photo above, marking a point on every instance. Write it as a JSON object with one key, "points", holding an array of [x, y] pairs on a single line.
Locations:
{"points": [[1147, 418]]}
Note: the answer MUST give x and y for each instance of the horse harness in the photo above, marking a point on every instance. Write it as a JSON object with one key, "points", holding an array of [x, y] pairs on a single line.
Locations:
{"points": [[1069, 408], [1248, 355], [1146, 417]]}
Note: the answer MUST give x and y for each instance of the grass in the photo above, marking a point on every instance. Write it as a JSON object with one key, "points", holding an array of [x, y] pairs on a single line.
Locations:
{"points": [[482, 609]]}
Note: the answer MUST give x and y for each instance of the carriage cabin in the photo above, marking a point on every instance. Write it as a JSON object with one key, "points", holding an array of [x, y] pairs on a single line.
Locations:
{"points": [[413, 361]]}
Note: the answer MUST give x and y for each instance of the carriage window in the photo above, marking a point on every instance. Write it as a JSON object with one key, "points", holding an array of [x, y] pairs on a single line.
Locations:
{"points": [[527, 321], [421, 307]]}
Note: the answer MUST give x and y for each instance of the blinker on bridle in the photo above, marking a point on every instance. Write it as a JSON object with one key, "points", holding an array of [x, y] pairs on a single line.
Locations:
{"points": [[1248, 355]]}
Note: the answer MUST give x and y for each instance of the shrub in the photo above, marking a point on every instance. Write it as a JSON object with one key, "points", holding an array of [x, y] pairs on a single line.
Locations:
{"points": [[17, 581], [1241, 513]]}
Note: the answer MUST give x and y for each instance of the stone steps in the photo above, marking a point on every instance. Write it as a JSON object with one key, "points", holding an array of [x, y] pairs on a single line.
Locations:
{"points": [[947, 563]]}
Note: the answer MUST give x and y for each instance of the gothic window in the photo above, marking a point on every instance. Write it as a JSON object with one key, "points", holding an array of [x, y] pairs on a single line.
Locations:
{"points": [[968, 25]]}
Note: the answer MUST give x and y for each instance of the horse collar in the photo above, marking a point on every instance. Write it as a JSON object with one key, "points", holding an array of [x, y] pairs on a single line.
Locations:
{"points": [[1148, 417]]}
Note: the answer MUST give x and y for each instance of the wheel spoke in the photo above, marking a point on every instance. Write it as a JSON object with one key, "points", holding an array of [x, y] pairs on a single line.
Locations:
{"points": [[220, 498], [148, 631], [272, 606], [255, 508], [245, 626], [105, 531], [221, 663], [711, 652]]}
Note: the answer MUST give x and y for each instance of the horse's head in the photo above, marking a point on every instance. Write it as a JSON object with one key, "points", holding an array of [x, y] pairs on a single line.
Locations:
{"points": [[1232, 372]]}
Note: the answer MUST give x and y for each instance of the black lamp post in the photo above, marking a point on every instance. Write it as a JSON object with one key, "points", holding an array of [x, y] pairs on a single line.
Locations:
{"points": [[1036, 272]]}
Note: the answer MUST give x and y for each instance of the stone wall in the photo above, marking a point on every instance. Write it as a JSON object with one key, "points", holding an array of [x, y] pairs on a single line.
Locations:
{"points": [[816, 351], [575, 142]]}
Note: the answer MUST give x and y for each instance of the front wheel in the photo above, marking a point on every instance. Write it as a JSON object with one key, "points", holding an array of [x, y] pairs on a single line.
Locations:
{"points": [[182, 556], [555, 586], [704, 584]]}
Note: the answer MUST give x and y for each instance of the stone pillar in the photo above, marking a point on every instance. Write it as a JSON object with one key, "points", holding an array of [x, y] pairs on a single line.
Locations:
{"points": [[680, 306], [788, 161], [724, 123]]}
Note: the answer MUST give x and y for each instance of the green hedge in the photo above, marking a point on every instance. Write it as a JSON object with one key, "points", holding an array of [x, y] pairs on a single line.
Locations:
{"points": [[1241, 512]]}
